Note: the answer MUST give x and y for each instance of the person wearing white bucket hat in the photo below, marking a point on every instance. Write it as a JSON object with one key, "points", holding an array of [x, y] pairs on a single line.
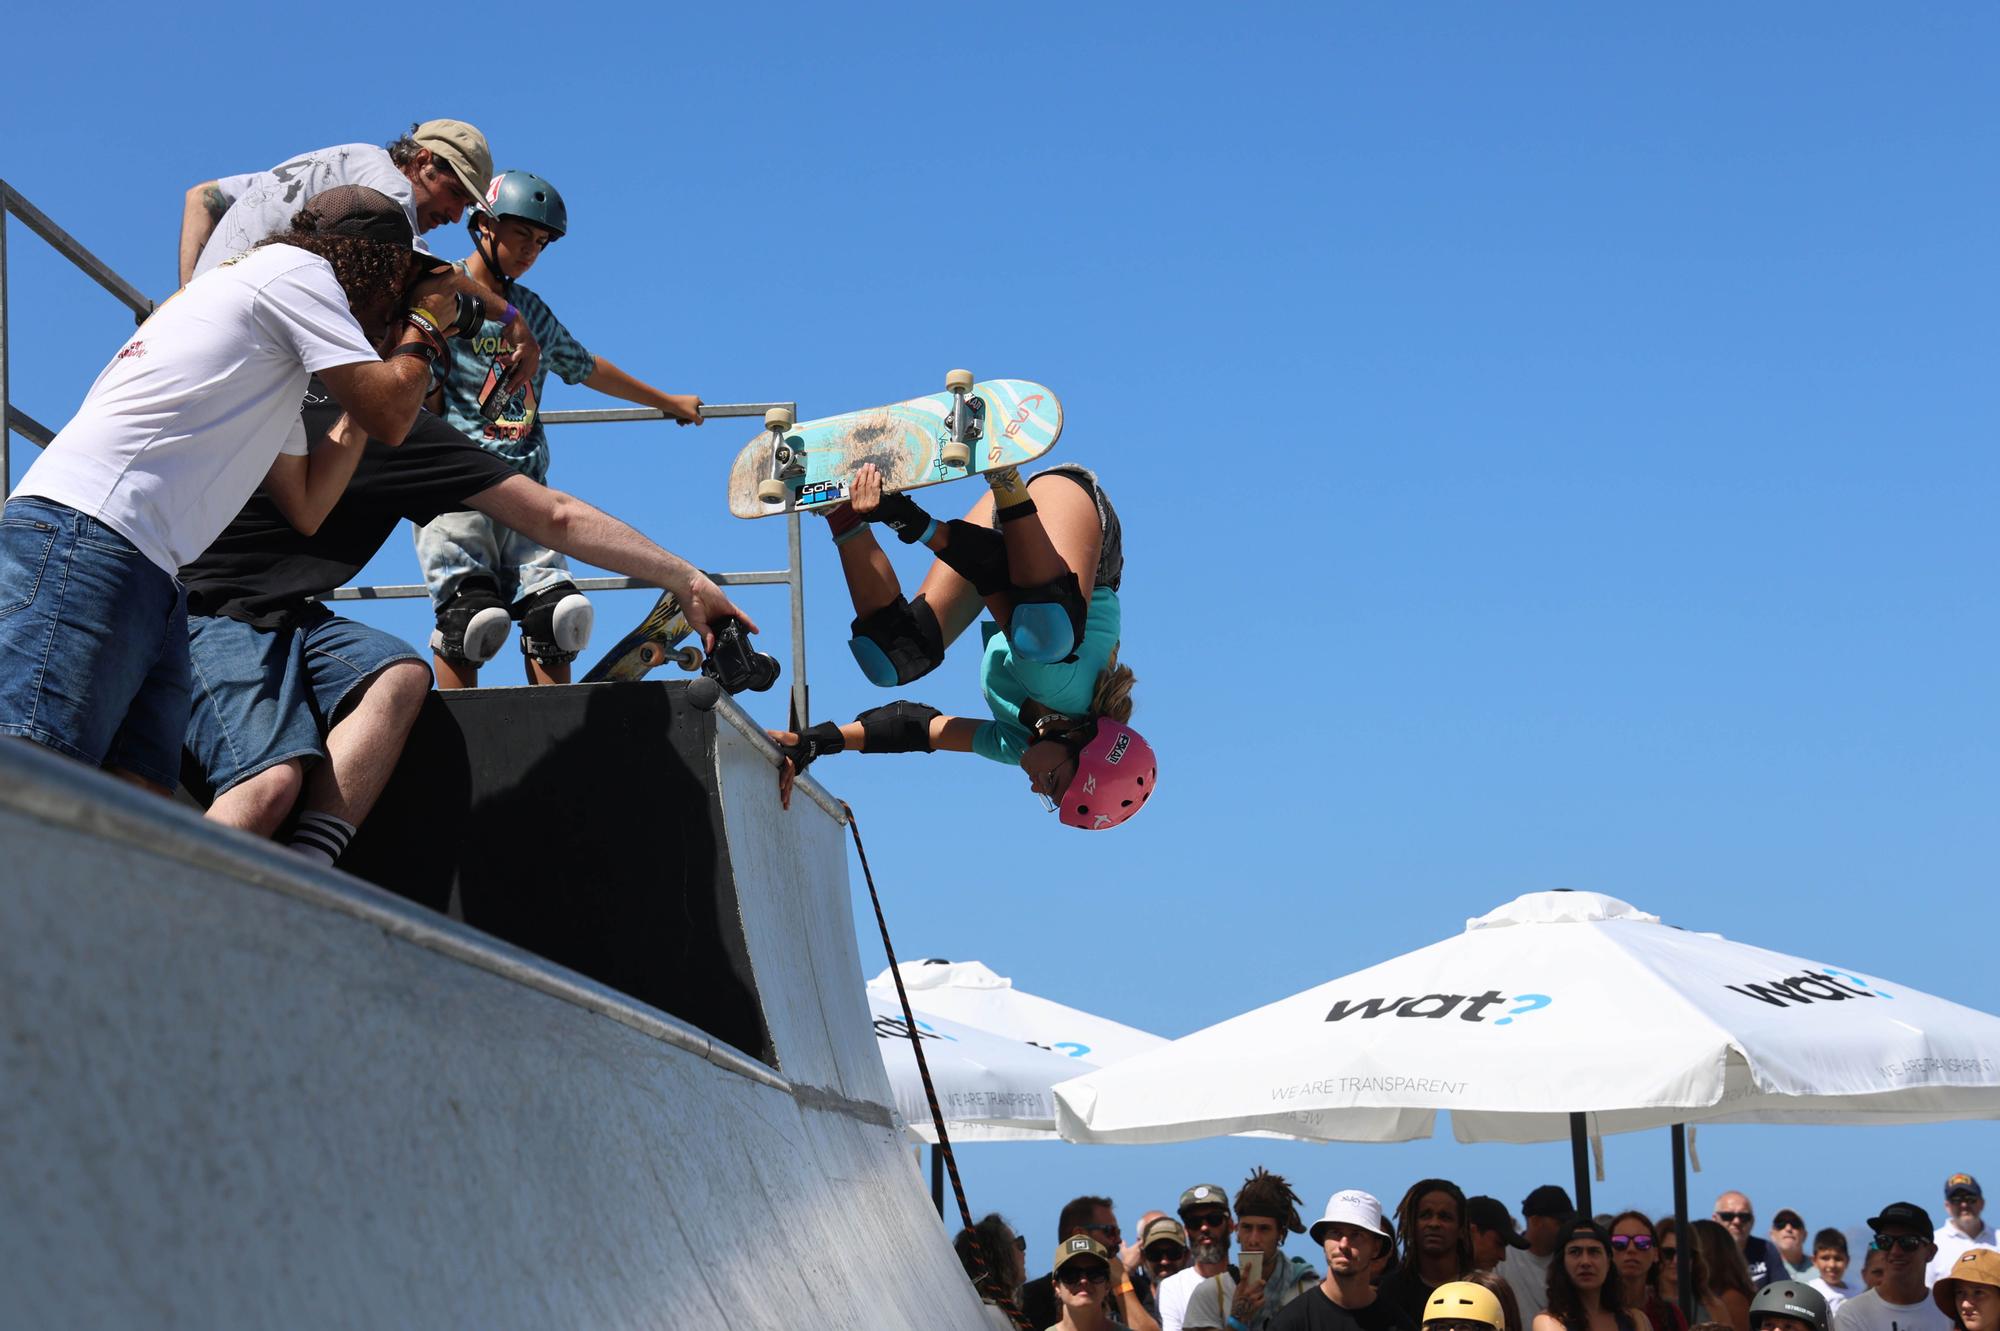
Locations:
{"points": [[1353, 1236]]}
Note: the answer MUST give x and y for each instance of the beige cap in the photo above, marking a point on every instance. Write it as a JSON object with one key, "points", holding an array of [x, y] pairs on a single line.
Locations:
{"points": [[1975, 1266], [461, 148], [1166, 1227], [1081, 1245]]}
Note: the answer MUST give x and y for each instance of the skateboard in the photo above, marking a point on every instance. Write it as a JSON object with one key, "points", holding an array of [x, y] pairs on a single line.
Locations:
{"points": [[651, 644], [971, 427]]}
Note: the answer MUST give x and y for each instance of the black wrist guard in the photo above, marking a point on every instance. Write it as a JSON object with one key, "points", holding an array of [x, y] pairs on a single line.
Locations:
{"points": [[471, 314], [898, 727], [902, 515], [822, 738]]}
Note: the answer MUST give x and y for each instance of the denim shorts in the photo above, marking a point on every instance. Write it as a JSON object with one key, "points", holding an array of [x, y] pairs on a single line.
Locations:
{"points": [[93, 643], [266, 696], [453, 546]]}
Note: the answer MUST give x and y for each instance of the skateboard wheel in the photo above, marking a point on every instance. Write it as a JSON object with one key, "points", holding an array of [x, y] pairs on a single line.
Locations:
{"points": [[652, 654], [958, 381], [770, 490], [955, 454], [778, 418]]}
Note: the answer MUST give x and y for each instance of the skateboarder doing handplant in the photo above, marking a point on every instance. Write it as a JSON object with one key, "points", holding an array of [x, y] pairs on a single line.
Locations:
{"points": [[1045, 558], [483, 575]]}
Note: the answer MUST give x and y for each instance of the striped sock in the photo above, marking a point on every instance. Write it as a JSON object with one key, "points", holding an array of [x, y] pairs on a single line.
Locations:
{"points": [[321, 837]]}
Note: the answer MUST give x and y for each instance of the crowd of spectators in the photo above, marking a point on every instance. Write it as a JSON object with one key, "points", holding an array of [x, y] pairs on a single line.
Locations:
{"points": [[1442, 1261]]}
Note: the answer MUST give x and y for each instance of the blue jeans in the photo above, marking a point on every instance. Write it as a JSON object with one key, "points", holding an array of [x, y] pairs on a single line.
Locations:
{"points": [[93, 643], [266, 696]]}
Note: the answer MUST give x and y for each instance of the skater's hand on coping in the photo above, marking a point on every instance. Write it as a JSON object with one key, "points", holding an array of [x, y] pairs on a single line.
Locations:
{"points": [[703, 603], [788, 771], [684, 408]]}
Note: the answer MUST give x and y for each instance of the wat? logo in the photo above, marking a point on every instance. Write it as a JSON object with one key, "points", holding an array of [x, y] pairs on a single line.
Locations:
{"points": [[1436, 1007], [1825, 985]]}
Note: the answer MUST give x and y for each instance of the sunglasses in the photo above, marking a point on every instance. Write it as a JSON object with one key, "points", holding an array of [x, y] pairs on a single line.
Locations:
{"points": [[1076, 1277], [1637, 1242], [1745, 1216], [1207, 1220], [1890, 1242], [1790, 1224], [1109, 1231], [1165, 1252], [1667, 1253]]}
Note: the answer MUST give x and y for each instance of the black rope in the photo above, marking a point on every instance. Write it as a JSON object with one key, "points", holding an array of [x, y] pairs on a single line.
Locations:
{"points": [[984, 1279]]}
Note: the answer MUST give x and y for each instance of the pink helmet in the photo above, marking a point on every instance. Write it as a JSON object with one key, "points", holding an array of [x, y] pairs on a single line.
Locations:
{"points": [[1114, 778]]}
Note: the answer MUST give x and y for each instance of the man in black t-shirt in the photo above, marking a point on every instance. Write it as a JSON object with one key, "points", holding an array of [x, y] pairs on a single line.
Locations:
{"points": [[1352, 1235], [282, 683]]}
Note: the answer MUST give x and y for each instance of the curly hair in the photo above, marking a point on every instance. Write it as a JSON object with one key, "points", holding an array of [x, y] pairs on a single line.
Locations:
{"points": [[1112, 695], [988, 1253], [1510, 1306], [1566, 1301], [403, 149], [1666, 1275], [373, 275], [1726, 1268], [1406, 1217], [1267, 1194]]}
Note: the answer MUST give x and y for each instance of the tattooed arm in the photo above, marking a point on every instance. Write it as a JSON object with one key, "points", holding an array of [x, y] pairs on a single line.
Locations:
{"points": [[205, 207]]}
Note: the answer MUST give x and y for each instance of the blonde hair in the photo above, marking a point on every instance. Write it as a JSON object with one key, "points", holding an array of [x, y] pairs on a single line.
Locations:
{"points": [[1112, 695]]}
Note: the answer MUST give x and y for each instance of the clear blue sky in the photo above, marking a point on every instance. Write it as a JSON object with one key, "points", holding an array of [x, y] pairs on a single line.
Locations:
{"points": [[1555, 446]]}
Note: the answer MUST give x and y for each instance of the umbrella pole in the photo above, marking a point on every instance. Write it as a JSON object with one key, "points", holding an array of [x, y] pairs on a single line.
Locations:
{"points": [[1579, 1150], [1683, 1258], [937, 1179]]}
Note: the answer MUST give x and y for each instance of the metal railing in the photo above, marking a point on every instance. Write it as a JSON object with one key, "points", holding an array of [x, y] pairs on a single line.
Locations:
{"points": [[17, 421]]}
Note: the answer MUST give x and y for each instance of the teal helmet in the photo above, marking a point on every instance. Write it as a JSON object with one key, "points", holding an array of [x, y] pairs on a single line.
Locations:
{"points": [[527, 196]]}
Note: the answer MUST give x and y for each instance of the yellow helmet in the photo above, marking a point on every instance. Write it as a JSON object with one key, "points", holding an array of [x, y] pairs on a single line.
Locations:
{"points": [[1463, 1301]]}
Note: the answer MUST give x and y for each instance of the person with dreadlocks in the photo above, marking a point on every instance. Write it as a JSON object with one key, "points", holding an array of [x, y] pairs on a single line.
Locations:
{"points": [[1437, 1245], [484, 576], [1266, 1211], [1045, 558]]}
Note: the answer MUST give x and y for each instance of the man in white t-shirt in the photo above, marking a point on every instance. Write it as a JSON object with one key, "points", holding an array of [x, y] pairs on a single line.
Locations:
{"points": [[192, 414], [1543, 1214], [436, 171], [1902, 1302], [1965, 1203], [1204, 1210]]}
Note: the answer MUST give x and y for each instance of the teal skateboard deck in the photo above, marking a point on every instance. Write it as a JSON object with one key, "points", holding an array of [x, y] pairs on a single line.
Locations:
{"points": [[794, 467]]}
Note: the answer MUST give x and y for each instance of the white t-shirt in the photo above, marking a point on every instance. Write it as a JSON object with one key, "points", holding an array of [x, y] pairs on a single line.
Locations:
{"points": [[1869, 1311], [1952, 1244], [1208, 1302], [1528, 1276], [263, 203], [1834, 1297], [1173, 1294], [183, 424]]}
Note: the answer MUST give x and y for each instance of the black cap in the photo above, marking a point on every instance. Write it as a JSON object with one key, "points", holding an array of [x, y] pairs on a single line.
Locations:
{"points": [[1548, 1200], [1489, 1214], [1586, 1227], [1787, 1216], [1908, 1215], [356, 210]]}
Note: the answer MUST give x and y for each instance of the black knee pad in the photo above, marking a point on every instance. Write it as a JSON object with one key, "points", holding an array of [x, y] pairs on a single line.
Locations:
{"points": [[898, 643], [977, 554], [1047, 623], [472, 624], [555, 624]]}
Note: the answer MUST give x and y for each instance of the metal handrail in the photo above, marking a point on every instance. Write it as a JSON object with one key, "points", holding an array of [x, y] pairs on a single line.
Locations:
{"points": [[14, 421]]}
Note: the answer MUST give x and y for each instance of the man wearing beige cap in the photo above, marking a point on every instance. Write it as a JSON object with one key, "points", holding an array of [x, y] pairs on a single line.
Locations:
{"points": [[436, 171]]}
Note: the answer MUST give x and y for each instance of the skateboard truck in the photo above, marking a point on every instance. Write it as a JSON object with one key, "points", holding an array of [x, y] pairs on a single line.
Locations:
{"points": [[656, 654], [785, 464], [966, 422]]}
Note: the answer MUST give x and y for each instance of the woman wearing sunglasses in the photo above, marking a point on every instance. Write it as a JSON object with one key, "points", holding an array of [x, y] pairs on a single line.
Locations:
{"points": [[1044, 559], [1082, 1277], [1585, 1293], [1635, 1253]]}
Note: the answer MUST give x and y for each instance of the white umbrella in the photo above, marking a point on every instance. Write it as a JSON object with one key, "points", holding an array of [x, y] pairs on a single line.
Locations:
{"points": [[969, 992], [990, 1087], [1558, 1003]]}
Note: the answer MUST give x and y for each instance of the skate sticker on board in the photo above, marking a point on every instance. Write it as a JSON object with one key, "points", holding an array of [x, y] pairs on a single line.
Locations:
{"points": [[821, 492]]}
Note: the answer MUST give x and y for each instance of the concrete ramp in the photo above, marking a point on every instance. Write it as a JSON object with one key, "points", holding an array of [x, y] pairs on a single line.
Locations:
{"points": [[236, 1091]]}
